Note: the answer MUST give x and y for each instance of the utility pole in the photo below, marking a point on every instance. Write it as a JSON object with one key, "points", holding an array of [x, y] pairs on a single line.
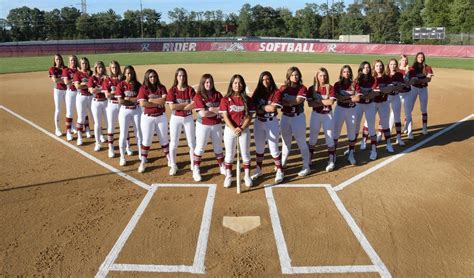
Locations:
{"points": [[83, 7], [141, 18]]}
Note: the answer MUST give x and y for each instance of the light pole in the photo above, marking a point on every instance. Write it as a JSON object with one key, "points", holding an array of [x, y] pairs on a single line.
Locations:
{"points": [[141, 19]]}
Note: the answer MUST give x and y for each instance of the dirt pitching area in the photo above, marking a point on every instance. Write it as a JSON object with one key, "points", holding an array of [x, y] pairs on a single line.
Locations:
{"points": [[68, 211]]}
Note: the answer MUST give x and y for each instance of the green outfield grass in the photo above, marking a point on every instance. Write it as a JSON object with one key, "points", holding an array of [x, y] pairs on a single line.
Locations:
{"points": [[42, 63]]}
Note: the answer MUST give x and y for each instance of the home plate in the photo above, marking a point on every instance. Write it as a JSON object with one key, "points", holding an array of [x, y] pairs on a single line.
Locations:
{"points": [[241, 224]]}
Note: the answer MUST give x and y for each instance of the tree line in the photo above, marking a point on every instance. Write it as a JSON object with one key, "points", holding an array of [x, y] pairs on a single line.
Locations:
{"points": [[384, 20]]}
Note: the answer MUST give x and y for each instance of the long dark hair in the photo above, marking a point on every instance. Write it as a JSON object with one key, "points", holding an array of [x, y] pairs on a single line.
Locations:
{"points": [[61, 61], [261, 91], [201, 89], [133, 80], [360, 73], [146, 80], [420, 67], [243, 94], [288, 75], [175, 82], [351, 76]]}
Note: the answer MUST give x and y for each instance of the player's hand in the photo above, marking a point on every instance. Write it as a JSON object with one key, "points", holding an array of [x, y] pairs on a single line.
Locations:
{"points": [[355, 98], [237, 131]]}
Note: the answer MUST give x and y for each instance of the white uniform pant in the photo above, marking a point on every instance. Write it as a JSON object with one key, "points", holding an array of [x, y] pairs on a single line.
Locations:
{"points": [[422, 93], [203, 132], [83, 105], [176, 125], [294, 126], [263, 131], [230, 142], [395, 112], [70, 103], [327, 122], [112, 116], [406, 99], [347, 115], [383, 109], [127, 116], [150, 125], [98, 113], [369, 110], [59, 99]]}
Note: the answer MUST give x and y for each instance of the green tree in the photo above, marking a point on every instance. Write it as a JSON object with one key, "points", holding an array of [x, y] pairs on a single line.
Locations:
{"points": [[310, 21], [353, 21], [53, 24], [131, 24], [68, 18], [410, 18], [461, 16], [382, 19], [151, 22], [26, 24], [245, 27]]}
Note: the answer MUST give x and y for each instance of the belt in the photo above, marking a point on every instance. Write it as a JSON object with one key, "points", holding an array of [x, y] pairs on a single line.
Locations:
{"points": [[291, 114], [86, 95], [130, 107], [153, 115], [265, 119], [99, 99], [114, 101]]}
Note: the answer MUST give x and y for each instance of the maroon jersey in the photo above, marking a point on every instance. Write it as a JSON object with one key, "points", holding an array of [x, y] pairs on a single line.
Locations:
{"points": [[146, 93], [235, 109], [110, 85], [96, 82], [176, 96], [365, 84], [351, 89], [214, 100], [398, 78], [69, 74], [57, 73], [381, 82], [125, 89], [297, 92], [323, 92], [421, 75], [80, 77], [271, 99]]}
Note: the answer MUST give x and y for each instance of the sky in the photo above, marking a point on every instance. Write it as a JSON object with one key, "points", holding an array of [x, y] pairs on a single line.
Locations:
{"points": [[163, 6]]}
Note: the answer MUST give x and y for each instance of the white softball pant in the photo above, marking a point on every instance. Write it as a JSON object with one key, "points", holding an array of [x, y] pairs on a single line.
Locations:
{"points": [[125, 117], [327, 122], [70, 103], [98, 113], [83, 105], [423, 94], [112, 111], [347, 115], [383, 109], [176, 125], [230, 143], [203, 132], [396, 110], [263, 131], [150, 125], [294, 126], [406, 99], [369, 110], [59, 99]]}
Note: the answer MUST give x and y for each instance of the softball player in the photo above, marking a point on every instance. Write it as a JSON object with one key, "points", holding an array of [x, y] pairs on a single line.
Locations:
{"points": [[237, 109], [152, 97], [404, 68], [366, 83], [127, 92], [347, 94], [398, 81], [206, 104], [267, 99], [422, 73], [99, 101], [108, 87], [382, 106], [71, 93], [293, 120], [83, 100], [178, 97], [59, 89], [321, 97]]}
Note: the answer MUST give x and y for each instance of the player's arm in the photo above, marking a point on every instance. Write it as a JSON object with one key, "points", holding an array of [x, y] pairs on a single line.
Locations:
{"points": [[236, 130], [177, 106], [247, 121]]}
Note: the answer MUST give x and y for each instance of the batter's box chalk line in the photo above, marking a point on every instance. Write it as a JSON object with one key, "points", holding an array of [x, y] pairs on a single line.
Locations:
{"points": [[285, 261], [200, 254]]}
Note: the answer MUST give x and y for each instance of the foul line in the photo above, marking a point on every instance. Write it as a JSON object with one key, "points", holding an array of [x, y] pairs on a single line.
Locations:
{"points": [[82, 152], [397, 156]]}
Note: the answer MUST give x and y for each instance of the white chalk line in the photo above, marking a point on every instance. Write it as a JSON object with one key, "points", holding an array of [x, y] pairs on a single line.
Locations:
{"points": [[350, 181], [201, 248], [285, 260], [79, 150]]}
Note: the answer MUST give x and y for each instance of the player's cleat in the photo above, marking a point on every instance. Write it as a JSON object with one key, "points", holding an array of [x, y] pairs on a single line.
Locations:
{"points": [[102, 139], [142, 167], [74, 130], [304, 172], [111, 152], [424, 130], [191, 166], [97, 147], [227, 181], [128, 150], [257, 174], [88, 133], [400, 141], [58, 133], [79, 141], [410, 136], [373, 155], [197, 174], [248, 180], [330, 166], [363, 144], [389, 147], [279, 176], [69, 136], [351, 158], [122, 162], [222, 169], [173, 170]]}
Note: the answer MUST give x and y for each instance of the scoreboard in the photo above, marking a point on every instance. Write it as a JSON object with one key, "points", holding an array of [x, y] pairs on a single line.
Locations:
{"points": [[428, 33]]}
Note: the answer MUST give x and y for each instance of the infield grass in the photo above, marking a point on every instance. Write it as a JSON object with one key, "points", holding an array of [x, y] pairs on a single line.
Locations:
{"points": [[42, 63]]}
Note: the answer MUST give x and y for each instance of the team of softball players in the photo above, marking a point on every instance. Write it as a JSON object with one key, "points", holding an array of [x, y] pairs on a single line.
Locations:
{"points": [[109, 95]]}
